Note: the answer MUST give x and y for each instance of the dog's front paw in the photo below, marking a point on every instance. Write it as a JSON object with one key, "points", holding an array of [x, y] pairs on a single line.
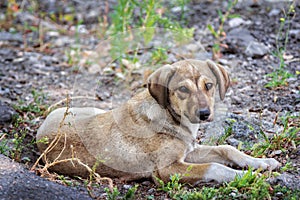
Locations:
{"points": [[266, 163]]}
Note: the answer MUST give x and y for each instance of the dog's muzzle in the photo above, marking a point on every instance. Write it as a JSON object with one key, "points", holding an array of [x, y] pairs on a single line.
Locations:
{"points": [[203, 113]]}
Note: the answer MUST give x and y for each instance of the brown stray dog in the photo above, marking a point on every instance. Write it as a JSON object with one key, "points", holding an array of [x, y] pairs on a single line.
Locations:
{"points": [[154, 133]]}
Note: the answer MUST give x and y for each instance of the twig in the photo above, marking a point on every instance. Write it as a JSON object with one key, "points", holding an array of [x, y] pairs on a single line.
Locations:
{"points": [[293, 60], [98, 178], [56, 161], [2, 137], [66, 99], [54, 142]]}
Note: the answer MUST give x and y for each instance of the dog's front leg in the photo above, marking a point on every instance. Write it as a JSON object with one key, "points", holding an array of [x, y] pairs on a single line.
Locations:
{"points": [[193, 173], [226, 154]]}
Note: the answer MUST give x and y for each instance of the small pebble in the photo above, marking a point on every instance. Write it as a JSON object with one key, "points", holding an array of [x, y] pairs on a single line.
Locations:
{"points": [[127, 187]]}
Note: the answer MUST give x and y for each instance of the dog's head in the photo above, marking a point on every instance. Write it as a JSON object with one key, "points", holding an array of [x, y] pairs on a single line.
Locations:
{"points": [[187, 88]]}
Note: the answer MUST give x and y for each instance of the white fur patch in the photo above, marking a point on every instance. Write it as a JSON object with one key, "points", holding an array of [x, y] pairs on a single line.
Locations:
{"points": [[221, 173]]}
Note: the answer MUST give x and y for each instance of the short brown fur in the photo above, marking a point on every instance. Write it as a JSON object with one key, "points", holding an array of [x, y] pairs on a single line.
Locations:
{"points": [[154, 133]]}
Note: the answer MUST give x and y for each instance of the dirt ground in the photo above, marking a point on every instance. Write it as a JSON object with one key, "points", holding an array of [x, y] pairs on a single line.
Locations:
{"points": [[38, 70]]}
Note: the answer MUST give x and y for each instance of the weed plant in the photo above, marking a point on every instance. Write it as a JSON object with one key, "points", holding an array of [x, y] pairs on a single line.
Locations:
{"points": [[15, 141], [286, 140], [249, 186], [280, 75], [116, 194], [144, 16], [218, 33]]}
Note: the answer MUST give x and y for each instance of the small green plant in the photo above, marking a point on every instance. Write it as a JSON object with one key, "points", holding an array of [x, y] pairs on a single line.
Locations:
{"points": [[149, 16], [249, 186], [280, 75], [286, 193], [228, 132], [112, 195], [115, 194], [287, 167], [286, 140], [65, 181], [173, 186], [14, 147], [10, 14], [122, 15], [74, 54], [37, 106], [159, 55], [4, 149], [130, 193], [18, 145], [219, 33]]}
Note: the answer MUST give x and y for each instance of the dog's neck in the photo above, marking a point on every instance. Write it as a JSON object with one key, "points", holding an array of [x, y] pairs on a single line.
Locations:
{"points": [[179, 127], [160, 120], [183, 122], [192, 128]]}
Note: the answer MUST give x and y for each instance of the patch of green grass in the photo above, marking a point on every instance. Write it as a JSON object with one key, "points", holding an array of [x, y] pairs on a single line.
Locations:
{"points": [[115, 193], [149, 15], [112, 195], [286, 140], [4, 149], [228, 132], [172, 187], [75, 53], [159, 55], [14, 142], [37, 106], [219, 33], [65, 181], [14, 147], [249, 186], [287, 167], [18, 145], [285, 193], [280, 75]]}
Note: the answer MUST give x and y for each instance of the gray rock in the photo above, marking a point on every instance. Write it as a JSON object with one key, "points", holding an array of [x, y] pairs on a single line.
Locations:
{"points": [[6, 36], [247, 3], [295, 33], [4, 91], [240, 34], [233, 142], [235, 22], [127, 187], [288, 180], [236, 100], [256, 50], [151, 191], [6, 113], [18, 183], [274, 12]]}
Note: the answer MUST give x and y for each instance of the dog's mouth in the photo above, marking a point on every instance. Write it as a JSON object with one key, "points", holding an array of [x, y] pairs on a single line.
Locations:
{"points": [[203, 115], [196, 120]]}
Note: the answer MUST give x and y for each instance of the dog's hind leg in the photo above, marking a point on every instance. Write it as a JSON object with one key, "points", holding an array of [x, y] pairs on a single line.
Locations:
{"points": [[226, 154]]}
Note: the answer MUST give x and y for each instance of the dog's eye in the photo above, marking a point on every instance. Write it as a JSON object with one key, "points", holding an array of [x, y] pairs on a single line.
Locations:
{"points": [[183, 89], [208, 86]]}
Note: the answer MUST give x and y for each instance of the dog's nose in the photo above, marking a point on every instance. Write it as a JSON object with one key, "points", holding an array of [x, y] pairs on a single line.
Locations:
{"points": [[203, 113]]}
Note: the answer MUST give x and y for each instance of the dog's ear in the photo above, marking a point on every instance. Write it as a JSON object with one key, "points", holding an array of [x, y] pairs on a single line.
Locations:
{"points": [[158, 84], [221, 75]]}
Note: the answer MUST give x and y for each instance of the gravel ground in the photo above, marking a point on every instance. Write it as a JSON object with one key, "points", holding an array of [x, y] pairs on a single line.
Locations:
{"points": [[33, 75]]}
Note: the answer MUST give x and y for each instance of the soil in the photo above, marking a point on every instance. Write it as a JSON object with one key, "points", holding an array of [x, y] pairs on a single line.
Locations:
{"points": [[36, 72]]}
